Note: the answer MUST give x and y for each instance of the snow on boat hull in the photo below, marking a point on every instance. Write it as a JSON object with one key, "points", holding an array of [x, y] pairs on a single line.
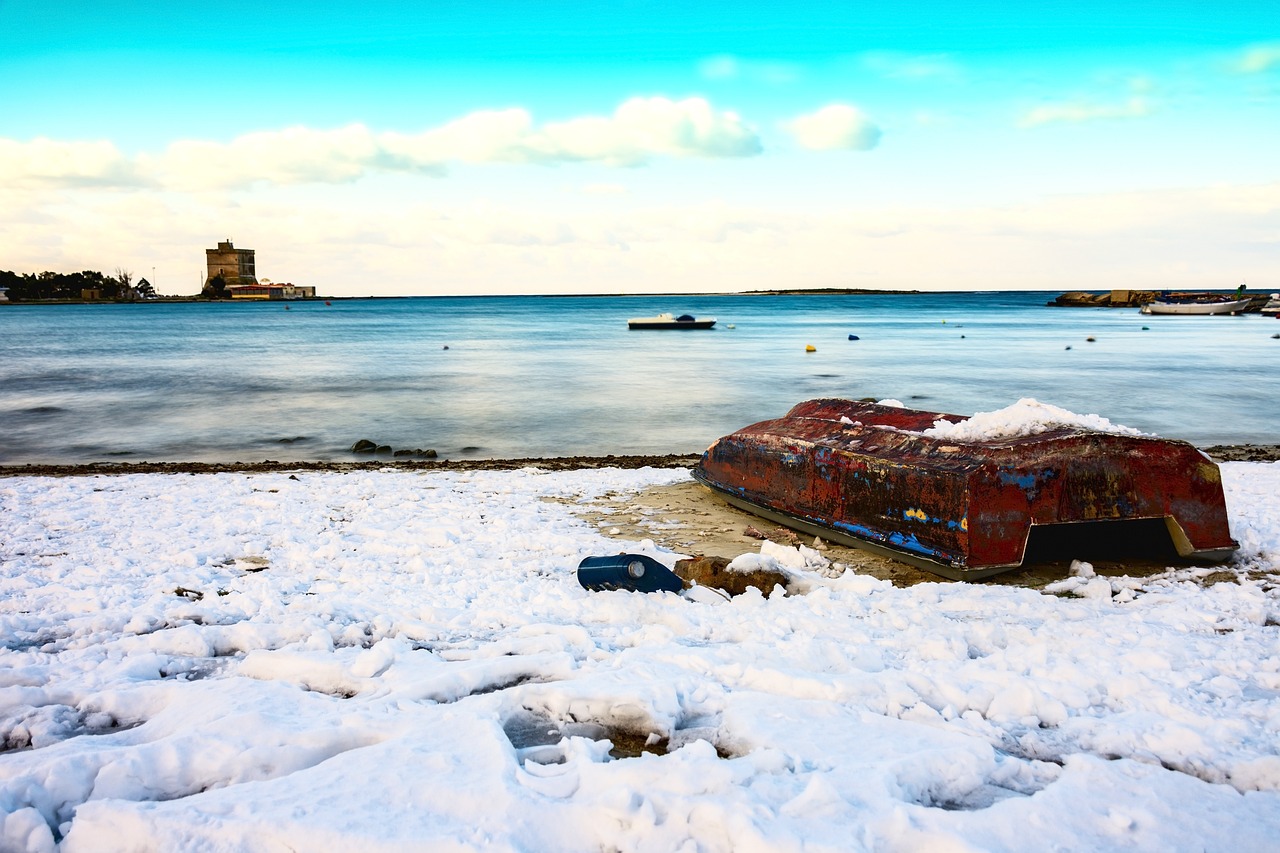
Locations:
{"points": [[963, 510]]}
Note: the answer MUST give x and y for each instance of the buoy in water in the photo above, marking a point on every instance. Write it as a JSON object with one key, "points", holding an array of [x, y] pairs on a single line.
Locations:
{"points": [[1068, 346], [286, 307], [1091, 340], [731, 326], [446, 346], [854, 338], [1146, 328], [327, 302], [810, 348]]}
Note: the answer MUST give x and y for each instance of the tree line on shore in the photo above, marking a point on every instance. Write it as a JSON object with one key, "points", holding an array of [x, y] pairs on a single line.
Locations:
{"points": [[54, 285]]}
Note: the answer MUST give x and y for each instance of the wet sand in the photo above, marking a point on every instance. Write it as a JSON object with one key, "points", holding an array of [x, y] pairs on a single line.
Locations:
{"points": [[1220, 453], [689, 519], [372, 463]]}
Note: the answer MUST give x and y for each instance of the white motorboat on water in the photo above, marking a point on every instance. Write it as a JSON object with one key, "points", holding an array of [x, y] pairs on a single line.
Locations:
{"points": [[670, 321], [1171, 306], [1273, 305]]}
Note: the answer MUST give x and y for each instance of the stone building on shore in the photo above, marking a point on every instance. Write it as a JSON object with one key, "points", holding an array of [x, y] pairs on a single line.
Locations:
{"points": [[235, 266], [236, 270], [265, 289]]}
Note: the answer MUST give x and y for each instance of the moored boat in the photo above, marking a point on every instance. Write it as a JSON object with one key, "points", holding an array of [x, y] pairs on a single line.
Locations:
{"points": [[670, 321], [1272, 307], [1196, 308], [867, 475]]}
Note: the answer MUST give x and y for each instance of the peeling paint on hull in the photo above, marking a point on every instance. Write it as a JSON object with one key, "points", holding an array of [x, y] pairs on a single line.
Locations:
{"points": [[862, 474]]}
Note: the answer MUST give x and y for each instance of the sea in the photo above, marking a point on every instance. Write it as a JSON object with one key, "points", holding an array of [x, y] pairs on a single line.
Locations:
{"points": [[542, 376]]}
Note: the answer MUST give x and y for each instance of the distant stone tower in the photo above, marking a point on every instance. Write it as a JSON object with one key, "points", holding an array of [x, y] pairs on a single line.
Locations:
{"points": [[234, 265]]}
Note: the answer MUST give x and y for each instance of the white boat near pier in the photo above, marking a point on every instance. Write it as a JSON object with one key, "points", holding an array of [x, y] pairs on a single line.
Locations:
{"points": [[1230, 306]]}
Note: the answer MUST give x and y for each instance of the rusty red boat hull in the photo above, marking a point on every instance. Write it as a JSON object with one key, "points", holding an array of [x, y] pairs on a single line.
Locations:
{"points": [[963, 510]]}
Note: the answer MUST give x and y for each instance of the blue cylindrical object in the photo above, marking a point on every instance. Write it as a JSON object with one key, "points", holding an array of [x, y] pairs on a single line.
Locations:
{"points": [[634, 572]]}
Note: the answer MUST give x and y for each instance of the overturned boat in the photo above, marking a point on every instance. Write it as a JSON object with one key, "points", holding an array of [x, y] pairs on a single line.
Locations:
{"points": [[967, 506]]}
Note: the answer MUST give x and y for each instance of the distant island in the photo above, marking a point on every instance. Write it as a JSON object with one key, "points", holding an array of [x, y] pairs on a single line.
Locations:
{"points": [[825, 291]]}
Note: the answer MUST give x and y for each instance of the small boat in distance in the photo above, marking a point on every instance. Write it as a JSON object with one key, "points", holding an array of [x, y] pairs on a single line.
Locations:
{"points": [[1273, 305], [1201, 308], [670, 321]]}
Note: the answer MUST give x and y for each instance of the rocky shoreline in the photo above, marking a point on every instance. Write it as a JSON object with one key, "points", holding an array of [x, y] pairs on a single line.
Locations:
{"points": [[555, 463], [1220, 453], [1244, 452], [1138, 298]]}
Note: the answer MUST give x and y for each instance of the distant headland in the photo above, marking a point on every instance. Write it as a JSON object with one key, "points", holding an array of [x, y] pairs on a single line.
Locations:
{"points": [[826, 291], [231, 273]]}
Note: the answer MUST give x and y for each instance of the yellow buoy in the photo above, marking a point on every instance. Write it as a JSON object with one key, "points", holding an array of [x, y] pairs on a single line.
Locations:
{"points": [[810, 348]]}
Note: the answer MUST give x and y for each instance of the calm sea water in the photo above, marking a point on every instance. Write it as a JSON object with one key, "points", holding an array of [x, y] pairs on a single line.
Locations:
{"points": [[542, 376]]}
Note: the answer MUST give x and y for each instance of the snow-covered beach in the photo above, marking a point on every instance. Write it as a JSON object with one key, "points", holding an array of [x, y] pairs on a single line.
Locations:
{"points": [[396, 660]]}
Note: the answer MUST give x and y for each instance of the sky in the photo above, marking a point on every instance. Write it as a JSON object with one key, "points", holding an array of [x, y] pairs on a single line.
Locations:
{"points": [[641, 147]]}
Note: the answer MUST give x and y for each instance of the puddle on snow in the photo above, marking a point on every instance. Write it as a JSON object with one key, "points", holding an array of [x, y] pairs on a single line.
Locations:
{"points": [[537, 737], [982, 797], [50, 724]]}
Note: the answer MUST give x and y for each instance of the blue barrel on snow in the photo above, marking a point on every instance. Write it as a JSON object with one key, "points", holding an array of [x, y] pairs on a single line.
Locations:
{"points": [[634, 572]]}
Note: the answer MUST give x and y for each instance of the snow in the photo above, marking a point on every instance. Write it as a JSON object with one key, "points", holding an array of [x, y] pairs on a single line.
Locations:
{"points": [[1025, 417], [395, 661], [792, 561]]}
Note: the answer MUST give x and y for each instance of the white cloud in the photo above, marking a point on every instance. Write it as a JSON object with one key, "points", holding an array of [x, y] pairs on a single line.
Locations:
{"points": [[485, 136], [902, 66], [722, 67], [1258, 59], [644, 128], [639, 131], [292, 155], [726, 67], [836, 127], [74, 164], [1074, 112]]}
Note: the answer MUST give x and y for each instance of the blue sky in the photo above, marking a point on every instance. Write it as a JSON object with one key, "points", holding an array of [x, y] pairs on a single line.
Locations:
{"points": [[580, 147]]}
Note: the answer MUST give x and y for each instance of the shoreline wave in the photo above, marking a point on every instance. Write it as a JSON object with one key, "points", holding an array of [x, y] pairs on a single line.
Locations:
{"points": [[1219, 453]]}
